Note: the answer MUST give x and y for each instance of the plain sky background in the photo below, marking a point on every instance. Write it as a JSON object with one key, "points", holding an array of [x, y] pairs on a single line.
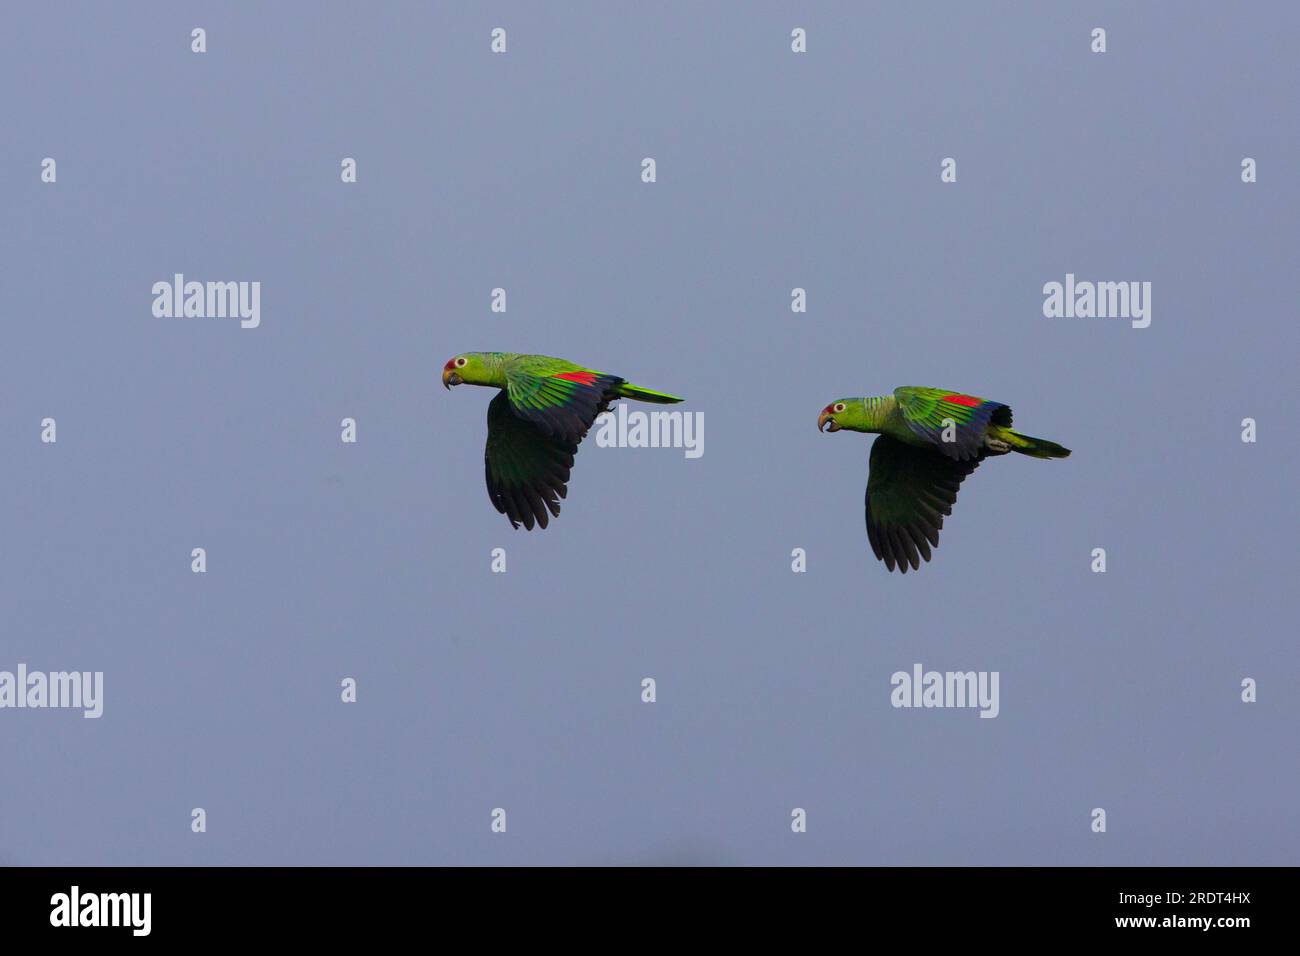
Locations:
{"points": [[522, 690]]}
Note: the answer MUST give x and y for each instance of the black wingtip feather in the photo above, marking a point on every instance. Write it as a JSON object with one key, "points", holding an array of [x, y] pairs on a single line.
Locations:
{"points": [[917, 488]]}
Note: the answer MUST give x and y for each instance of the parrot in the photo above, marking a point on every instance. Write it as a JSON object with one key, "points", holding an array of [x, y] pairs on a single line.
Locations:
{"points": [[543, 409], [929, 440]]}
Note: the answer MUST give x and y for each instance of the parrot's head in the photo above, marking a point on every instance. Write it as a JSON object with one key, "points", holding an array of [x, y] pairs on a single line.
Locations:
{"points": [[468, 367], [849, 413]]}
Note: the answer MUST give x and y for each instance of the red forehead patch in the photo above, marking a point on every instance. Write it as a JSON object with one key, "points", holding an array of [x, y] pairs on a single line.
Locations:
{"points": [[451, 364], [970, 401]]}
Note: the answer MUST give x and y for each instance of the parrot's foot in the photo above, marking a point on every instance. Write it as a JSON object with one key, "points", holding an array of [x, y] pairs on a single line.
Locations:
{"points": [[996, 446]]}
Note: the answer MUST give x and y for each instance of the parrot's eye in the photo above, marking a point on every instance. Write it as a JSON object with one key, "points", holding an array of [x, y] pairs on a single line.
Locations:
{"points": [[837, 407], [460, 362]]}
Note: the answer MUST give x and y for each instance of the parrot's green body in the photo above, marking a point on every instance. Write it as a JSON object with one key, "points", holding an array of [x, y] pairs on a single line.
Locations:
{"points": [[543, 409], [930, 440]]}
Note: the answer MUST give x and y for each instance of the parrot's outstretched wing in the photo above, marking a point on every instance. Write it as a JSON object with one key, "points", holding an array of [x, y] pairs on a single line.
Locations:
{"points": [[527, 469], [930, 412], [561, 398], [909, 490]]}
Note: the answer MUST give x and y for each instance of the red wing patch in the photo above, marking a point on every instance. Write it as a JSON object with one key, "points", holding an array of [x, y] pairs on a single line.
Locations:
{"points": [[970, 401], [582, 378]]}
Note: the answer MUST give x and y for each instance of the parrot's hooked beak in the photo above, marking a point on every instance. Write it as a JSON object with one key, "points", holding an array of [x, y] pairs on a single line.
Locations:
{"points": [[825, 419], [450, 378]]}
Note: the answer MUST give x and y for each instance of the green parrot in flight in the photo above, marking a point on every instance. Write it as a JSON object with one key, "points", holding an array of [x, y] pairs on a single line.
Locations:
{"points": [[930, 440], [543, 409]]}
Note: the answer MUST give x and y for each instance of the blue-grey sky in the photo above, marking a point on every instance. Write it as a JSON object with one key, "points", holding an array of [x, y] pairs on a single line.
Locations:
{"points": [[523, 690]]}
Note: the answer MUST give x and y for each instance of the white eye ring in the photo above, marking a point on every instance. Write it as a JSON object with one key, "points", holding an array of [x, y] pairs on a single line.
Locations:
{"points": [[460, 362], [839, 407]]}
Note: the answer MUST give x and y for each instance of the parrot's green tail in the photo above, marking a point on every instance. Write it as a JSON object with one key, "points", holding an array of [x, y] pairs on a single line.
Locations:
{"points": [[628, 390], [1034, 447]]}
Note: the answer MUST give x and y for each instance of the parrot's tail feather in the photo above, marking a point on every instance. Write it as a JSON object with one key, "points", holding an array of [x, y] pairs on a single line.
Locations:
{"points": [[628, 390], [1034, 447]]}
